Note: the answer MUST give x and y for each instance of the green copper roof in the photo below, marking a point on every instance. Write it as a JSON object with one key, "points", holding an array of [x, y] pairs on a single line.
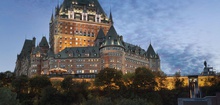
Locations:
{"points": [[151, 53], [43, 42], [112, 39], [67, 4], [112, 32], [50, 53], [36, 50], [134, 49], [101, 34], [27, 48], [79, 52]]}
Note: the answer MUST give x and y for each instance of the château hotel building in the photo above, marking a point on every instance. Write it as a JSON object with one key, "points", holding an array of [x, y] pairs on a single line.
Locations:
{"points": [[82, 41]]}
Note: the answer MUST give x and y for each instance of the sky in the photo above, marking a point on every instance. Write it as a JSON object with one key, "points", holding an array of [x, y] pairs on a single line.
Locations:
{"points": [[184, 33]]}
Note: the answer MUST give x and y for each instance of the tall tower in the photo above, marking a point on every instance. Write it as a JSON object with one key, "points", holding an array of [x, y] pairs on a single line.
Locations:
{"points": [[76, 23]]}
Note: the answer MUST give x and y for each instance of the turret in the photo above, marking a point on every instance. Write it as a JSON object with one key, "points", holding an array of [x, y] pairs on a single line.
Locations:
{"points": [[112, 39], [154, 59], [112, 51], [44, 45]]}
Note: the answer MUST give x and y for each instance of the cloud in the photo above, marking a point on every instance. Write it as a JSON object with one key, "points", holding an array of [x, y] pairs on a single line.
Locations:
{"points": [[170, 28]]}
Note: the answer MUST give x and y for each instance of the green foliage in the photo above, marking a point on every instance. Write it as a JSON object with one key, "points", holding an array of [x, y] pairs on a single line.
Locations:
{"points": [[20, 84], [38, 83], [144, 79], [50, 96], [6, 78], [133, 102], [74, 92], [99, 101], [7, 97], [56, 84], [120, 101]]}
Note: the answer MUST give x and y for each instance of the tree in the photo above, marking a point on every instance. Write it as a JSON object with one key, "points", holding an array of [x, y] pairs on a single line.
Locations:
{"points": [[144, 79], [67, 84], [74, 92], [161, 79], [38, 83], [179, 83], [20, 84], [6, 78], [109, 78], [50, 96], [7, 97]]}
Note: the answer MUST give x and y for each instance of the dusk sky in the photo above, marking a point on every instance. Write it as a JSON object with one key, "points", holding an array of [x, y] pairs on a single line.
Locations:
{"points": [[185, 33]]}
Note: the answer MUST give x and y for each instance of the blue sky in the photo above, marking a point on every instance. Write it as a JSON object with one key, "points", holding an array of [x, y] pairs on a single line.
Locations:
{"points": [[183, 32]]}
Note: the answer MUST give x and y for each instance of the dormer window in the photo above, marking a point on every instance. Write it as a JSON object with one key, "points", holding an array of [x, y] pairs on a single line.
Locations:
{"points": [[91, 18], [78, 16]]}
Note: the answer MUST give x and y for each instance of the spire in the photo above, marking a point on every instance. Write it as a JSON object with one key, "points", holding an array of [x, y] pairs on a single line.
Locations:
{"points": [[110, 17], [57, 10], [51, 20]]}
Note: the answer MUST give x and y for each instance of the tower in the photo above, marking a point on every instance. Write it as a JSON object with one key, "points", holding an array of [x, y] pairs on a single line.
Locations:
{"points": [[76, 24], [112, 51], [154, 59]]}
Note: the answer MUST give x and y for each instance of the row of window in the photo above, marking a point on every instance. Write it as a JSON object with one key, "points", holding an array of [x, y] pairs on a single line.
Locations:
{"points": [[114, 54], [136, 56], [130, 66], [33, 71], [135, 61], [112, 48], [70, 65], [83, 71]]}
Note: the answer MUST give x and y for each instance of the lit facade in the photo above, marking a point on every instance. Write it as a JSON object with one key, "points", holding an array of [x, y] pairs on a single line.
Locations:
{"points": [[82, 42]]}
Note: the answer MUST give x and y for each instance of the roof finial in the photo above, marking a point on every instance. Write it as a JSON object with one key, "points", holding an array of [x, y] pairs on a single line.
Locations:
{"points": [[110, 16]]}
